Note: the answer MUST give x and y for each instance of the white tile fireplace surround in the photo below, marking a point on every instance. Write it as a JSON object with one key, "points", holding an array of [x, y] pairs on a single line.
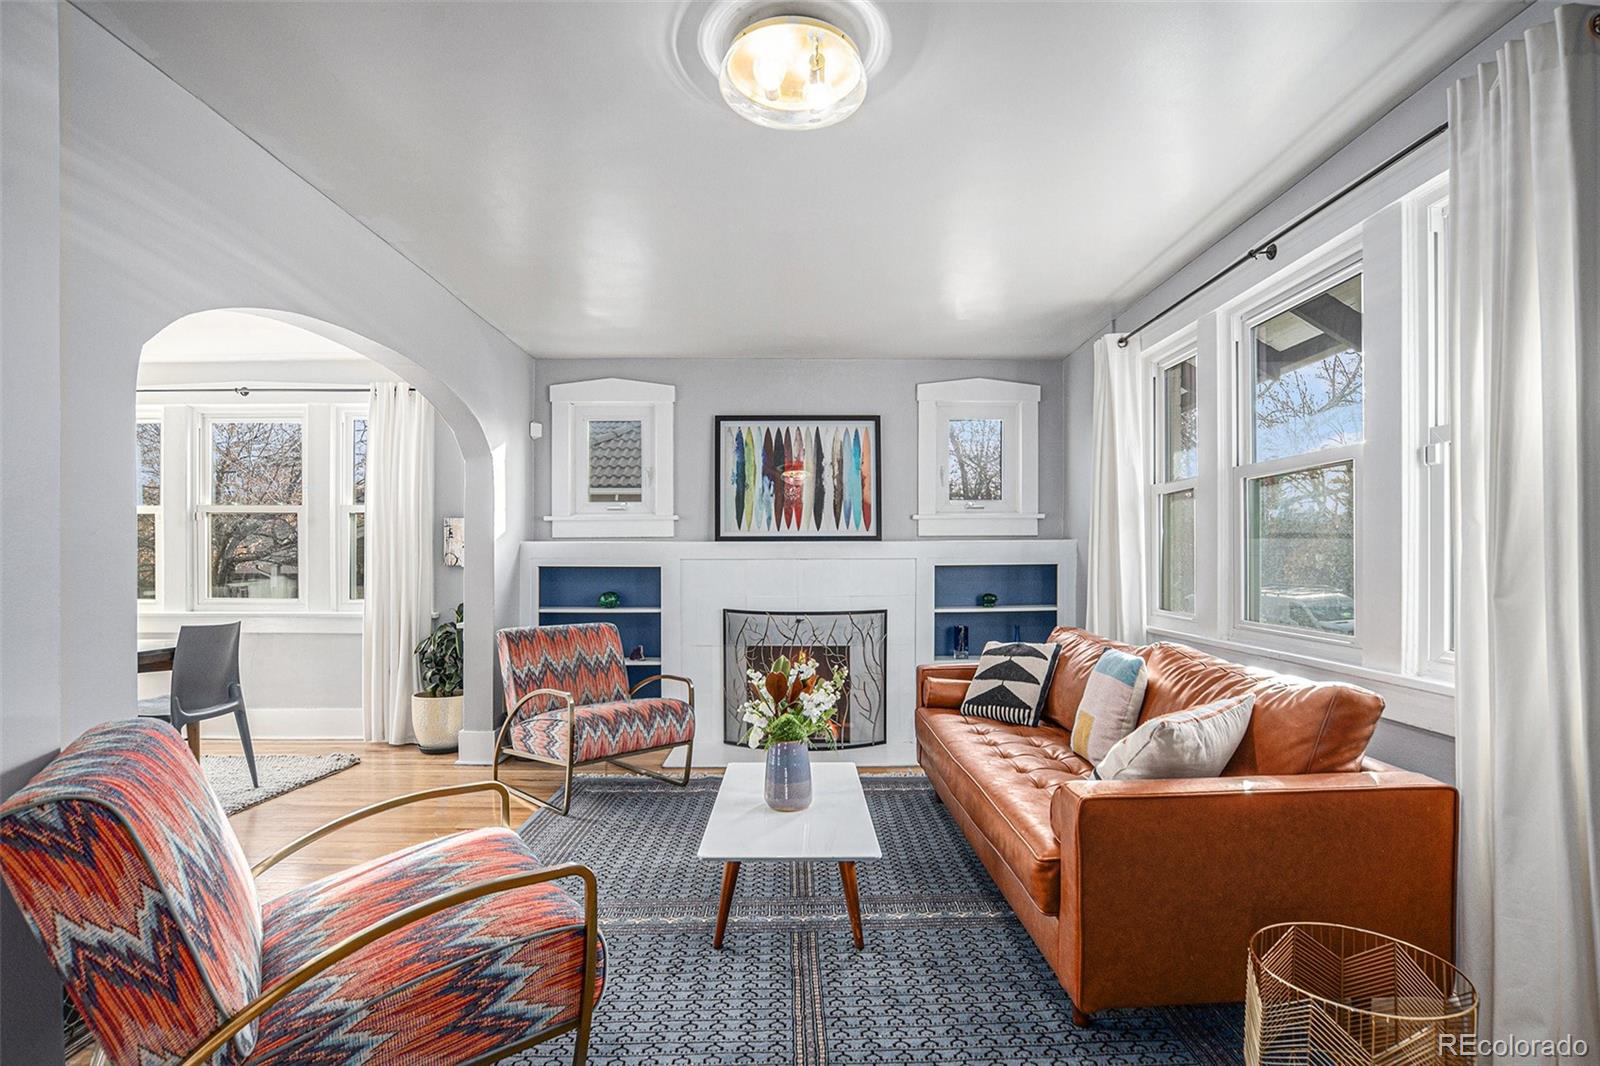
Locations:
{"points": [[701, 579]]}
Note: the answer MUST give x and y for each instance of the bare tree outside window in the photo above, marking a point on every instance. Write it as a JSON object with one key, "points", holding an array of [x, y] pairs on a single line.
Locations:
{"points": [[1308, 380], [975, 459], [1301, 559], [254, 524]]}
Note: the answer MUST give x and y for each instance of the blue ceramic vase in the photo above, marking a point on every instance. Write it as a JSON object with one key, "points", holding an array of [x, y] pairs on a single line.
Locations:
{"points": [[788, 776]]}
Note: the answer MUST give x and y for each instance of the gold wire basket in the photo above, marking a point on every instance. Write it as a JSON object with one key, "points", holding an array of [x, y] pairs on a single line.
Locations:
{"points": [[1330, 995]]}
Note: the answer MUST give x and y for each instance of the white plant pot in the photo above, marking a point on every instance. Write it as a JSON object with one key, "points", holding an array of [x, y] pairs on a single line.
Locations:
{"points": [[436, 720]]}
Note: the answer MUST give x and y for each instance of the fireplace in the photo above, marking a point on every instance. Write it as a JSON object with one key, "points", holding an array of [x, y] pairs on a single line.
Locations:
{"points": [[856, 640]]}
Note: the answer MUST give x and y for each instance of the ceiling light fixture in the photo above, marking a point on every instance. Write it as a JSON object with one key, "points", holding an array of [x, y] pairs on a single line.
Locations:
{"points": [[793, 73]]}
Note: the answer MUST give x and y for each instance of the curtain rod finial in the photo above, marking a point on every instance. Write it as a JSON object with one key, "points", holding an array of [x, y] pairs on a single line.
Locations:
{"points": [[1122, 341]]}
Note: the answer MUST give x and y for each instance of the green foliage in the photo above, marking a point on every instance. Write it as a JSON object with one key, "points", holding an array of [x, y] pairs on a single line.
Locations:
{"points": [[439, 656]]}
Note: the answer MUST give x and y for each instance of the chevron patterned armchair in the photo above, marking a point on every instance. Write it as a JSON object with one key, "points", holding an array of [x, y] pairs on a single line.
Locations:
{"points": [[568, 703], [460, 950]]}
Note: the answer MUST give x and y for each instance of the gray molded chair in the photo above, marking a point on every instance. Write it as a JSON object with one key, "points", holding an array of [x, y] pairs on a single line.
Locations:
{"points": [[205, 684]]}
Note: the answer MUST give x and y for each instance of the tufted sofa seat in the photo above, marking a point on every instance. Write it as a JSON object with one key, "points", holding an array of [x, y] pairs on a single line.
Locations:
{"points": [[1145, 893]]}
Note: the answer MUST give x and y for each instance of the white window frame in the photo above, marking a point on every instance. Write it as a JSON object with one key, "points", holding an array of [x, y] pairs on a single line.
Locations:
{"points": [[1161, 486], [573, 406], [344, 501], [1016, 405], [204, 508], [1318, 274], [152, 415], [1428, 431]]}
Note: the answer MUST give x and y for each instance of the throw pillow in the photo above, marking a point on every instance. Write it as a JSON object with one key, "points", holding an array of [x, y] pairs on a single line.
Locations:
{"points": [[1193, 743], [1011, 682], [1112, 698]]}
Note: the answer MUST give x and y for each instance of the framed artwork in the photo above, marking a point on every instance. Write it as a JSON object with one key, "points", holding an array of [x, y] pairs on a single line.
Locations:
{"points": [[798, 477], [455, 542]]}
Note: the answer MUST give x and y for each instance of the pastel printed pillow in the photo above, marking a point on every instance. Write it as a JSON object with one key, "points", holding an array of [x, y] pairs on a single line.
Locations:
{"points": [[1112, 698], [1193, 743]]}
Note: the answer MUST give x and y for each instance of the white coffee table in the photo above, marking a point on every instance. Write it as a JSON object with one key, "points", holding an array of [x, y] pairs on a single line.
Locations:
{"points": [[836, 828]]}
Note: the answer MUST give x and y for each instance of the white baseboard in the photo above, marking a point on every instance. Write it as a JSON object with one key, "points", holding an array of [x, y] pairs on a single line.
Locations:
{"points": [[476, 747], [292, 723]]}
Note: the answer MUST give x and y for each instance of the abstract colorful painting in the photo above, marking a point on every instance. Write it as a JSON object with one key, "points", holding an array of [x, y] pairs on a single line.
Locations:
{"points": [[798, 477]]}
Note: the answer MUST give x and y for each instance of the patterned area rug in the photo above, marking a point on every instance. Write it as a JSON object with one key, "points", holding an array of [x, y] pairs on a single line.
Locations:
{"points": [[948, 974], [229, 777]]}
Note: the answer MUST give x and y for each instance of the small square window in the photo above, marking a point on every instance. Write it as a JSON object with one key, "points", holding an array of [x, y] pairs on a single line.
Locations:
{"points": [[977, 465], [1300, 549], [1307, 375], [616, 460]]}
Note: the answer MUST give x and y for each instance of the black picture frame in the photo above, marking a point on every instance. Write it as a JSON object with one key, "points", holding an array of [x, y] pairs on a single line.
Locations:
{"points": [[727, 520]]}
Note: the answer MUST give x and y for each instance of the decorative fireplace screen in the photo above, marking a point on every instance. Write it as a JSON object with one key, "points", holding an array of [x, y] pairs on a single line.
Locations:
{"points": [[856, 640]]}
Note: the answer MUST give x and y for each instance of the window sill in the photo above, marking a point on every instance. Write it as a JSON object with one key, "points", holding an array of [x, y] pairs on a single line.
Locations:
{"points": [[163, 623], [1340, 671], [989, 524], [606, 526]]}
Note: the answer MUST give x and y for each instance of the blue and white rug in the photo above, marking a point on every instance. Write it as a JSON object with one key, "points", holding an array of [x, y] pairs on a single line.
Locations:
{"points": [[948, 975]]}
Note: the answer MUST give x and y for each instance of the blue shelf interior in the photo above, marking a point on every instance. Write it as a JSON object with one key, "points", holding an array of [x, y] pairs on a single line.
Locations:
{"points": [[569, 587], [581, 586], [1014, 583]]}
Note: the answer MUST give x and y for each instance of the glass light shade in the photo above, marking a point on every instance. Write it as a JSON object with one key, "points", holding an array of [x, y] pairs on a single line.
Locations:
{"points": [[793, 73]]}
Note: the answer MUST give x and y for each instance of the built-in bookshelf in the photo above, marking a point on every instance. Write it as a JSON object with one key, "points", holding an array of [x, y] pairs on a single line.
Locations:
{"points": [[570, 594], [1026, 606]]}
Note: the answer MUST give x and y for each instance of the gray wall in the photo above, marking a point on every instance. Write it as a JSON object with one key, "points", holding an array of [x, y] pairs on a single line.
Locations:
{"points": [[449, 497], [885, 387]]}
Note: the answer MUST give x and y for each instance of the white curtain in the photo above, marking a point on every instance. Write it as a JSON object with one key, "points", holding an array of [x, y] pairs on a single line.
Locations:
{"points": [[1525, 293], [399, 576], [1121, 483]]}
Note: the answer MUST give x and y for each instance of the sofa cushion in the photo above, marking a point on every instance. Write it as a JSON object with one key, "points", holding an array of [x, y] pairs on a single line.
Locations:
{"points": [[1011, 682], [1297, 726], [1003, 777], [1110, 706], [1193, 743], [1080, 651]]}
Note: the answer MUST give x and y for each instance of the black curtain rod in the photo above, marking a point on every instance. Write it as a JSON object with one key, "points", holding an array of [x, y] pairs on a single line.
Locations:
{"points": [[247, 390], [1268, 249]]}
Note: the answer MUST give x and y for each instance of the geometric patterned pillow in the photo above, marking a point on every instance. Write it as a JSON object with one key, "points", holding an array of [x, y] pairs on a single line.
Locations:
{"points": [[1011, 682], [1109, 709]]}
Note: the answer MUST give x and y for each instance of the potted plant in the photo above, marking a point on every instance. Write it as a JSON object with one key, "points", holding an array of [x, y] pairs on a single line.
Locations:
{"points": [[789, 704], [436, 710]]}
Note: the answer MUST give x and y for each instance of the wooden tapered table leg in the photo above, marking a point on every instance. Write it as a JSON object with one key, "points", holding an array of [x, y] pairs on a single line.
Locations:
{"points": [[192, 731], [852, 901], [730, 876]]}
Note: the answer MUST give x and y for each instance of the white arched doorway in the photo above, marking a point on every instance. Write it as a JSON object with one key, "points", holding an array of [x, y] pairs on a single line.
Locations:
{"points": [[283, 397]]}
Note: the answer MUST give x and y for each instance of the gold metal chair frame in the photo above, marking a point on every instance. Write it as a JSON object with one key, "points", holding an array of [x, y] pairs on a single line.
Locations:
{"points": [[415, 913], [569, 764]]}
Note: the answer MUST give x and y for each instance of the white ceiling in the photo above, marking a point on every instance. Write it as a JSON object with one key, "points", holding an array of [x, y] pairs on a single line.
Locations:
{"points": [[1017, 173]]}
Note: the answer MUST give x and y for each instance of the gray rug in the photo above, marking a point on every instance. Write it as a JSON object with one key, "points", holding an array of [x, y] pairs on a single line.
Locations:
{"points": [[230, 777], [948, 974]]}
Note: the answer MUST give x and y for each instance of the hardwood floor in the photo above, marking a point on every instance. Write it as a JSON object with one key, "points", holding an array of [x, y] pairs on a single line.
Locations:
{"points": [[384, 772]]}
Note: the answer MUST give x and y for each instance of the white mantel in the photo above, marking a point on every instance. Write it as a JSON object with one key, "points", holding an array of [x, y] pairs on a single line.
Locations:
{"points": [[699, 579]]}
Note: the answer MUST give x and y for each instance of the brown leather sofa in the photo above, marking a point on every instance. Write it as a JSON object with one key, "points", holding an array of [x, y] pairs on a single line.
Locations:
{"points": [[1145, 893]]}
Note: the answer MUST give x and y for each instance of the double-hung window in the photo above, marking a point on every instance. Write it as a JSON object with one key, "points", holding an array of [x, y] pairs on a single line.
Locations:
{"points": [[1300, 442], [1177, 468], [252, 512], [147, 443], [352, 481]]}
